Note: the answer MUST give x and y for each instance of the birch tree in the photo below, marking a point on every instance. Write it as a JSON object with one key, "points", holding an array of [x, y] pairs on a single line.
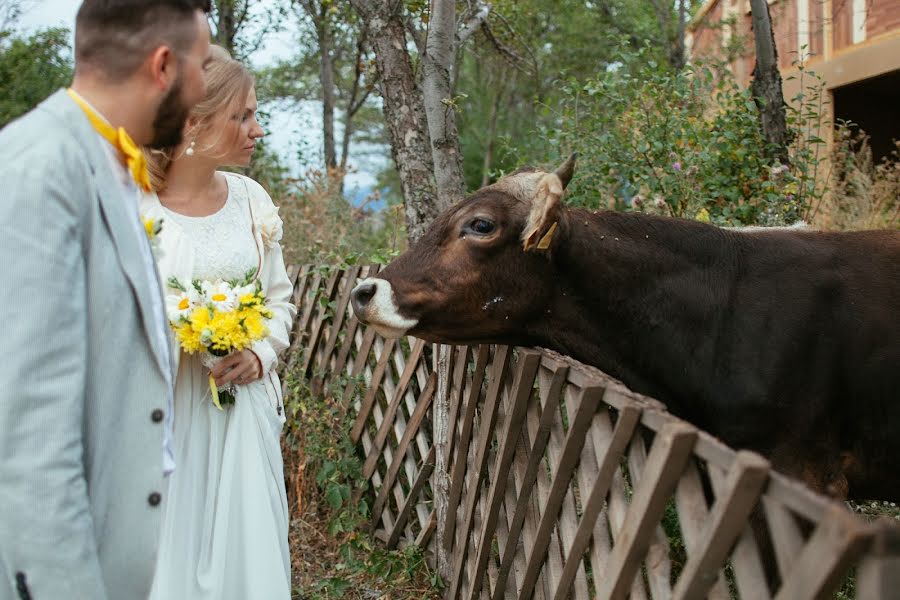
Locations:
{"points": [[419, 107], [404, 112]]}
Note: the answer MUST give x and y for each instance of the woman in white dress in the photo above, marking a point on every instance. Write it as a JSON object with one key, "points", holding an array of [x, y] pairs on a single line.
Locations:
{"points": [[225, 517]]}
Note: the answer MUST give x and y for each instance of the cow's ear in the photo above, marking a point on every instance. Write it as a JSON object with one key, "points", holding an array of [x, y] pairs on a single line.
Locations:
{"points": [[544, 215]]}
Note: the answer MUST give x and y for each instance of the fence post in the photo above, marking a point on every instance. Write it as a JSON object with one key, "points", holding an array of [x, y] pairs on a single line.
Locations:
{"points": [[441, 481]]}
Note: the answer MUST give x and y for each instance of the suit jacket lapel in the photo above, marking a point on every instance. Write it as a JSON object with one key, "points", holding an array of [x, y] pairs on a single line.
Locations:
{"points": [[118, 215]]}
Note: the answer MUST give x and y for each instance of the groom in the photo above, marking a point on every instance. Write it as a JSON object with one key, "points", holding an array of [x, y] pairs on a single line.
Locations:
{"points": [[86, 369]]}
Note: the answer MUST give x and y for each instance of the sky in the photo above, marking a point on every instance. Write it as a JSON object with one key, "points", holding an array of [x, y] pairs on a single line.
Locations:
{"points": [[294, 133]]}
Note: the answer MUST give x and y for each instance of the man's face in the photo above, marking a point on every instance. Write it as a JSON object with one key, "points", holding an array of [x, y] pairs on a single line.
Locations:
{"points": [[188, 89]]}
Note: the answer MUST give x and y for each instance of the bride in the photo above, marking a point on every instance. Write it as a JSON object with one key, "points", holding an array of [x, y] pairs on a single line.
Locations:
{"points": [[225, 517]]}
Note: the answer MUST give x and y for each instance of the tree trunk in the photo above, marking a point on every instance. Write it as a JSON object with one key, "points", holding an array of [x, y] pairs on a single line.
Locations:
{"points": [[404, 113], [226, 24], [766, 85], [439, 105], [441, 466], [358, 97], [326, 79]]}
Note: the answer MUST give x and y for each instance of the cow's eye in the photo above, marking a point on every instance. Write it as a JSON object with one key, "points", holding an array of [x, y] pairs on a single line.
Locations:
{"points": [[481, 226]]}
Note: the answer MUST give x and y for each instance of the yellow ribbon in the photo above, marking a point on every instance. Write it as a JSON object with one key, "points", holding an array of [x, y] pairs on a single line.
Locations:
{"points": [[119, 138], [215, 392]]}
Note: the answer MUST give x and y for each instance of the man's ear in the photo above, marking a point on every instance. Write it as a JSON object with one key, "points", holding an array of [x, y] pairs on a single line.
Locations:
{"points": [[545, 213], [163, 69]]}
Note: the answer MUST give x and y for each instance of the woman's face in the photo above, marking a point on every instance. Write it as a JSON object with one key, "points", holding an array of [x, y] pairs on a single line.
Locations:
{"points": [[236, 135]]}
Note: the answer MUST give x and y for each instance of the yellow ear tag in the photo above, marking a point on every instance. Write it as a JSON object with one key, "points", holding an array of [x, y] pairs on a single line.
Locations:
{"points": [[548, 237]]}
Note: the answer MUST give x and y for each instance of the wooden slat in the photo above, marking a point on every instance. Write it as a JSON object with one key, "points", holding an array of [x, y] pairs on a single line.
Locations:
{"points": [[878, 575], [368, 401], [535, 456], [629, 417], [726, 521], [787, 539], [835, 544], [455, 397], [346, 285], [590, 399], [458, 470], [391, 411], [316, 334], [359, 365], [476, 473], [425, 470], [521, 391], [567, 523], [693, 517], [303, 323], [412, 427], [657, 562], [670, 452]]}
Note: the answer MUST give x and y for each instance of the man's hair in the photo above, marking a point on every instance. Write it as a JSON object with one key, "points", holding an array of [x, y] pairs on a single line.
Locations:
{"points": [[114, 37]]}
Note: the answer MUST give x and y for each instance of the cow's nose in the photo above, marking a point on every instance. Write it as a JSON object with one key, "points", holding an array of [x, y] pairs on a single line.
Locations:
{"points": [[361, 296]]}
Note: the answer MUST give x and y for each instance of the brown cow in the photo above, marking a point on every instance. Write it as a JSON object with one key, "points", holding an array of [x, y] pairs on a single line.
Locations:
{"points": [[786, 342]]}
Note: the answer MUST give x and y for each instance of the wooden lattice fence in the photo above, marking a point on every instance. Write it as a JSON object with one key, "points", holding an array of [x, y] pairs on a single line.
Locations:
{"points": [[560, 482]]}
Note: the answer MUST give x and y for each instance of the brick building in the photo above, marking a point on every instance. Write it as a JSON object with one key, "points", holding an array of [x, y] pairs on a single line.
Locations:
{"points": [[853, 44]]}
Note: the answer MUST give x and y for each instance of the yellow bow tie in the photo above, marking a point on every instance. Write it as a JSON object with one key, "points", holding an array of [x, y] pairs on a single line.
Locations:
{"points": [[119, 138]]}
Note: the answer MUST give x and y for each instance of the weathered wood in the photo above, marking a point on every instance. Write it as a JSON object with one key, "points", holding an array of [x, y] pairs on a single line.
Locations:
{"points": [[535, 455], [369, 399], [521, 391], [457, 477], [348, 279], [657, 563], [590, 398], [411, 428], [787, 539], [425, 470], [668, 457], [359, 365], [726, 520], [693, 515], [835, 544], [878, 575], [316, 334], [612, 455], [485, 430], [399, 391]]}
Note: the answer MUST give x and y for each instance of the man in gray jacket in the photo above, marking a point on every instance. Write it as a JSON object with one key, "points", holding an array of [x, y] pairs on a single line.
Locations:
{"points": [[87, 369]]}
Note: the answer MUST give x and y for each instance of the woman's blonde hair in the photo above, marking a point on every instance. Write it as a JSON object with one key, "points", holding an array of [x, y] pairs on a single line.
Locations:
{"points": [[228, 82]]}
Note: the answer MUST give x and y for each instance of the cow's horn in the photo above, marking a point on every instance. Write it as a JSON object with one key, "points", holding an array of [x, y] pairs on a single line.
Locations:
{"points": [[567, 169]]}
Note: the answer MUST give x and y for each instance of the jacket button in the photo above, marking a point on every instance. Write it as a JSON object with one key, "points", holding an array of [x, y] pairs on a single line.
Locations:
{"points": [[154, 499], [157, 415]]}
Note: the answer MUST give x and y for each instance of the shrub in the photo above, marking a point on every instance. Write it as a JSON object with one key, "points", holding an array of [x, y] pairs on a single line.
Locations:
{"points": [[687, 144]]}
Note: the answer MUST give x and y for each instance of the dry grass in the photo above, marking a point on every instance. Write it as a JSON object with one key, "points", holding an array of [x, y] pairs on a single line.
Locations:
{"points": [[322, 227], [862, 194]]}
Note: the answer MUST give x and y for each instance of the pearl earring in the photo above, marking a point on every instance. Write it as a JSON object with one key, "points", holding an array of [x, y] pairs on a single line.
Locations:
{"points": [[190, 150]]}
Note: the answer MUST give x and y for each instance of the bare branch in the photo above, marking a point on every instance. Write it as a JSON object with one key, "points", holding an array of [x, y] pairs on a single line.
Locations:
{"points": [[470, 25]]}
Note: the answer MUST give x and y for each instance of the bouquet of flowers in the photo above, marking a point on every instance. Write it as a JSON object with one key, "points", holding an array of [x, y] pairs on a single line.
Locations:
{"points": [[216, 318]]}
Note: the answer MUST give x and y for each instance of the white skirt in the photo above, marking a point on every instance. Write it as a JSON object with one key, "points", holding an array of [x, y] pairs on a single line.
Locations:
{"points": [[225, 518]]}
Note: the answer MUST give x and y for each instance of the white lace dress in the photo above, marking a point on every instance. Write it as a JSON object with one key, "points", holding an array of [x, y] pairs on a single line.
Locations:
{"points": [[225, 517]]}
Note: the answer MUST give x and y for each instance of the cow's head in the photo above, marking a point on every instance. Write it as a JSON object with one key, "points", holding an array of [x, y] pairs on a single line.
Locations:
{"points": [[480, 271]]}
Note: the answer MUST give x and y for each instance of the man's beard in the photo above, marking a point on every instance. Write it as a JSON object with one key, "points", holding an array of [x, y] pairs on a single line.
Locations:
{"points": [[170, 119]]}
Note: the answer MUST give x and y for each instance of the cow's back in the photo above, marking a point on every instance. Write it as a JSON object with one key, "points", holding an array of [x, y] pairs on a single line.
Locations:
{"points": [[825, 307]]}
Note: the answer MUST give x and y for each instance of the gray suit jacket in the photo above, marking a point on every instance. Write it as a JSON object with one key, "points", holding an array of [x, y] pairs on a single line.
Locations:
{"points": [[82, 384]]}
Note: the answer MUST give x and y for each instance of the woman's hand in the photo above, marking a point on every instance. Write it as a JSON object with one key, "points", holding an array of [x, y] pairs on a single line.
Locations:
{"points": [[240, 367]]}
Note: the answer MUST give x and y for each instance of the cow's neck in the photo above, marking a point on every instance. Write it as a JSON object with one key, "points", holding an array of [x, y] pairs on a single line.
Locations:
{"points": [[640, 297]]}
